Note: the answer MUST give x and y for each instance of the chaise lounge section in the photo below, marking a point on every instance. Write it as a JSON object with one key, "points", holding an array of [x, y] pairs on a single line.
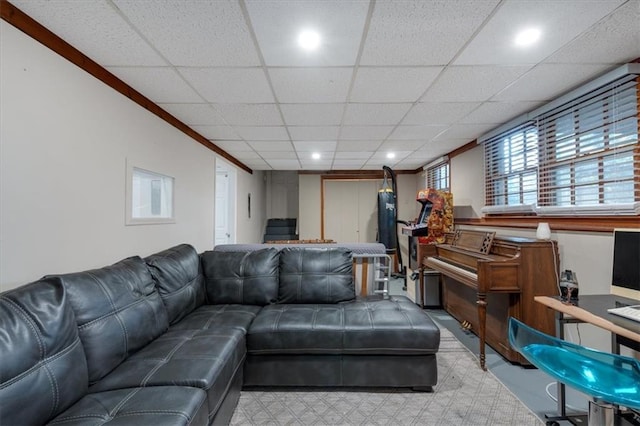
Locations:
{"points": [[172, 338]]}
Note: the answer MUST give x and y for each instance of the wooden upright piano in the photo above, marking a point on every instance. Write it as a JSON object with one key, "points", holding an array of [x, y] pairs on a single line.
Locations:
{"points": [[486, 279]]}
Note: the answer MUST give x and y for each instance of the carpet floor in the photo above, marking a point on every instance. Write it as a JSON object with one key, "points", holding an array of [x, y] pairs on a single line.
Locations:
{"points": [[465, 395]]}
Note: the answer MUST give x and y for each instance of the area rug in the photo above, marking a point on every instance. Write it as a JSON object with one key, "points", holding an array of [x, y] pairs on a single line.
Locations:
{"points": [[465, 395]]}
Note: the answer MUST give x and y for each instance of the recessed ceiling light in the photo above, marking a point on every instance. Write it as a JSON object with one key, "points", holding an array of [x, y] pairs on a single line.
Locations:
{"points": [[309, 40], [391, 155], [315, 156], [527, 37]]}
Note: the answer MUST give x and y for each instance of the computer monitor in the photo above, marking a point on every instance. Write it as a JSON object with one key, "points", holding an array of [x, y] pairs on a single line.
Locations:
{"points": [[625, 280]]}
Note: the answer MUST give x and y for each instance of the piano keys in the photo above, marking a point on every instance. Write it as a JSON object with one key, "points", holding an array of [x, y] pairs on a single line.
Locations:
{"points": [[486, 279]]}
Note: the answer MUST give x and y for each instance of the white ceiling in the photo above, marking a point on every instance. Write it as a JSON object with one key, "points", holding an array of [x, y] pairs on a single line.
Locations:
{"points": [[417, 78]]}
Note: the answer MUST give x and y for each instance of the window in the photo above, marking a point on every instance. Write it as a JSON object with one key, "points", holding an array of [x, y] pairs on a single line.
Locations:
{"points": [[149, 197], [579, 157], [437, 175], [511, 161], [588, 149]]}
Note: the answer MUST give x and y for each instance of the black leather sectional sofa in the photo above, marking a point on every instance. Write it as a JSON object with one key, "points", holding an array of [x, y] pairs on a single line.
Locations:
{"points": [[171, 339]]}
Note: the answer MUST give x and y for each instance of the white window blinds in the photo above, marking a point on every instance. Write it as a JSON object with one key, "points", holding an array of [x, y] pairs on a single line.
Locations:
{"points": [[438, 176], [589, 150], [580, 157], [511, 167]]}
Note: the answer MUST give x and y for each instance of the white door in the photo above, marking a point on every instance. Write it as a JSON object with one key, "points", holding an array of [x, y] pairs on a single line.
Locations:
{"points": [[222, 230], [350, 210]]}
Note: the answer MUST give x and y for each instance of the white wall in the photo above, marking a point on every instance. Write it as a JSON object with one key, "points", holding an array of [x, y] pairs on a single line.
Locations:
{"points": [[309, 211], [467, 180], [64, 141], [250, 229]]}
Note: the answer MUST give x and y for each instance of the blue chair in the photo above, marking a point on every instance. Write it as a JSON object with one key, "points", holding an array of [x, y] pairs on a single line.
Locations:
{"points": [[606, 377]]}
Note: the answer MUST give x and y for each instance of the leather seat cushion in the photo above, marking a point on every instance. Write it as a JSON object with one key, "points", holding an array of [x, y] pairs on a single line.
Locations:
{"points": [[179, 280], [316, 275], [215, 317], [392, 326], [206, 359], [43, 369], [244, 278], [160, 405], [118, 311]]}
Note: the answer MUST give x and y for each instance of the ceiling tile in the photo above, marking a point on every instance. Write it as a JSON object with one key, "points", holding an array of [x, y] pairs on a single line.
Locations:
{"points": [[392, 145], [557, 20], [194, 114], [381, 154], [352, 146], [245, 155], [284, 164], [424, 133], [310, 85], [279, 155], [365, 132], [217, 132], [234, 146], [306, 158], [161, 85], [250, 114], [438, 112], [498, 112], [348, 164], [230, 85], [614, 40], [262, 133], [258, 164], [316, 165], [409, 163], [375, 114], [353, 155], [465, 131], [103, 36], [313, 133], [469, 84], [277, 25], [404, 34], [194, 32], [548, 81], [397, 84], [265, 146], [315, 146], [312, 114]]}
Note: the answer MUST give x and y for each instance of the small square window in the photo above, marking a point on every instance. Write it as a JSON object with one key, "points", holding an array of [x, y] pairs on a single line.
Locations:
{"points": [[149, 197]]}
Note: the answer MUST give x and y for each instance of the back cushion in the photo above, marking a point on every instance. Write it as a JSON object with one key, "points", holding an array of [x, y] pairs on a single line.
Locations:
{"points": [[42, 364], [249, 278], [118, 311], [316, 275], [179, 280]]}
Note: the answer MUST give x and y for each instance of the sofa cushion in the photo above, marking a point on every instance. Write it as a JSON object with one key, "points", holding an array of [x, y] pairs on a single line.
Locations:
{"points": [[245, 278], [161, 405], [42, 364], [179, 280], [391, 326], [316, 275], [118, 312], [219, 316], [206, 359]]}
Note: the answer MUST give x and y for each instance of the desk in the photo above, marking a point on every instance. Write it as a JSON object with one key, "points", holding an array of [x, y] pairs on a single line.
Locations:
{"points": [[592, 309]]}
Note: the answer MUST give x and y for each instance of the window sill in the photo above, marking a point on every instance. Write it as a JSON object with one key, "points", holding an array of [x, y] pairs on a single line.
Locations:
{"points": [[557, 223]]}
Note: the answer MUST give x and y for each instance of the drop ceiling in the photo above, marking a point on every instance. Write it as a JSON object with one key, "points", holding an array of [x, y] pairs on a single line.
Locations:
{"points": [[416, 78]]}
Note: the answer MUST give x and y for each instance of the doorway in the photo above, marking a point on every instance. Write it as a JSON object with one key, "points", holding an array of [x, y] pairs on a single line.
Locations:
{"points": [[350, 213], [224, 231]]}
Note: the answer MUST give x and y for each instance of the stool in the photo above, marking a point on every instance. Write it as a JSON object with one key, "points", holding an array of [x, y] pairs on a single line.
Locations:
{"points": [[607, 378]]}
